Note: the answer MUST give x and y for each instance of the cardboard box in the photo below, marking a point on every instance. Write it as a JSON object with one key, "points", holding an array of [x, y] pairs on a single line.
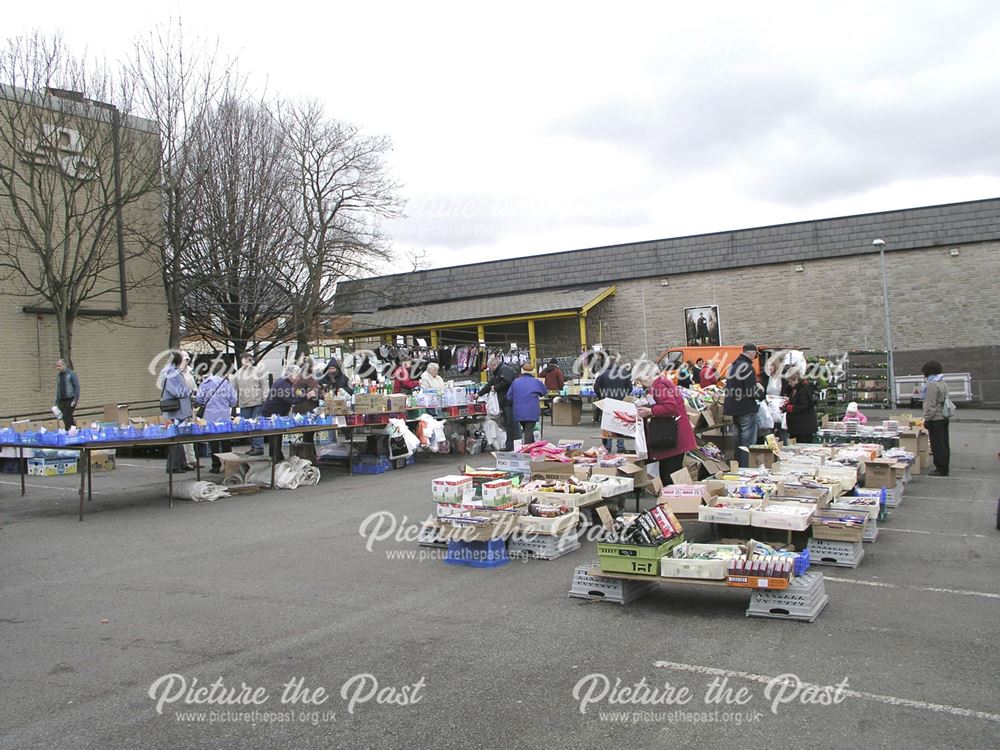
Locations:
{"points": [[839, 526], [369, 403], [917, 442], [398, 402], [117, 413], [512, 461], [881, 472], [103, 460], [786, 516], [452, 488], [685, 498], [338, 407], [231, 462], [706, 467], [761, 456], [820, 497], [497, 492], [566, 413]]}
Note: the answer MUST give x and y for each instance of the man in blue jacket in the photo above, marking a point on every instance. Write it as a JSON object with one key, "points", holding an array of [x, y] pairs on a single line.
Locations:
{"points": [[67, 392], [742, 401]]}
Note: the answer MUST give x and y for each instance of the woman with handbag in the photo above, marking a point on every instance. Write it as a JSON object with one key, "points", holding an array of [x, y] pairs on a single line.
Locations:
{"points": [[216, 398], [175, 405], [669, 434], [938, 410]]}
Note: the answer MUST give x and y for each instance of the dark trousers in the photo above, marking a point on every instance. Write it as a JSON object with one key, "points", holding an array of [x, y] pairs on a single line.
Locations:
{"points": [[668, 466], [66, 407], [803, 438], [528, 431], [511, 427], [176, 460], [276, 453], [940, 443]]}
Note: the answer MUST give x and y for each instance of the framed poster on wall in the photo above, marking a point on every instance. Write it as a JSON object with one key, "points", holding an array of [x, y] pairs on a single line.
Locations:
{"points": [[702, 326]]}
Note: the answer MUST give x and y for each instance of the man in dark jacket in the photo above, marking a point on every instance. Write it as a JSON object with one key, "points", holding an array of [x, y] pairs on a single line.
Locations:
{"points": [[286, 393], [67, 392], [334, 378], [614, 382], [742, 401], [501, 376]]}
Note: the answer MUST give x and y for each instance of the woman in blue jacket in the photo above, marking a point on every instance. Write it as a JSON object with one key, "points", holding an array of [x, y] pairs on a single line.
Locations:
{"points": [[523, 395], [173, 386]]}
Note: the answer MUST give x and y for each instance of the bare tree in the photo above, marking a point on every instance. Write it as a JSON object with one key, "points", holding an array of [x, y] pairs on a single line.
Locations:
{"points": [[241, 240], [72, 159], [176, 85], [338, 190]]}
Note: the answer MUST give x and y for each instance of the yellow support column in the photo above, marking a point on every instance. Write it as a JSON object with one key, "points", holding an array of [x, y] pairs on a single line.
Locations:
{"points": [[481, 335], [434, 339], [583, 333], [532, 351]]}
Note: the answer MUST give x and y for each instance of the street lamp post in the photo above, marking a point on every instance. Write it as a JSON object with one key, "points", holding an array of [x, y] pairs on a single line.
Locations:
{"points": [[880, 244]]}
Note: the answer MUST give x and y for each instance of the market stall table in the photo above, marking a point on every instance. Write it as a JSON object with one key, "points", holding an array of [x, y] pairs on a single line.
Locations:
{"points": [[84, 449]]}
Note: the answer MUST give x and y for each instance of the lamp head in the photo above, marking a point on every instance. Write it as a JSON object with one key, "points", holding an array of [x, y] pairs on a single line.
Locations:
{"points": [[878, 243]]}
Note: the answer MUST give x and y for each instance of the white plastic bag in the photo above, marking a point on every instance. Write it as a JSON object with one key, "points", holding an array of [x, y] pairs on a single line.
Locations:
{"points": [[765, 419], [493, 404]]}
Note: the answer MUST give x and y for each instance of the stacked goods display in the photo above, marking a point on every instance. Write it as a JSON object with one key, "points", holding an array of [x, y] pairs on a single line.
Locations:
{"points": [[637, 542]]}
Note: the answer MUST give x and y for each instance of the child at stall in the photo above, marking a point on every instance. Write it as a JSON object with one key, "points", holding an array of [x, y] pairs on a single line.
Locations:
{"points": [[854, 415]]}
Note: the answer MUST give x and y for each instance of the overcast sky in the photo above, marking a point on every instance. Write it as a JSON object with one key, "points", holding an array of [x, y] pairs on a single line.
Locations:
{"points": [[527, 128]]}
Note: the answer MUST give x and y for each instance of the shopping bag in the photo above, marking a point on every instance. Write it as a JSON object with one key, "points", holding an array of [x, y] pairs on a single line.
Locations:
{"points": [[493, 404], [765, 419], [661, 433]]}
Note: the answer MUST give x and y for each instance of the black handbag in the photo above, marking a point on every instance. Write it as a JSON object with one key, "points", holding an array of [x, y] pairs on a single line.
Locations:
{"points": [[661, 433], [200, 413], [170, 404]]}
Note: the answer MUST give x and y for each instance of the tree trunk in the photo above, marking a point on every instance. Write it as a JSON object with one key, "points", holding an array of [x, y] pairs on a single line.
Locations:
{"points": [[64, 327], [302, 348]]}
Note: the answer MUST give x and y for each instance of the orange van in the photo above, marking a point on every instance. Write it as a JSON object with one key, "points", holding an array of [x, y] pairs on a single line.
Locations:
{"points": [[720, 357]]}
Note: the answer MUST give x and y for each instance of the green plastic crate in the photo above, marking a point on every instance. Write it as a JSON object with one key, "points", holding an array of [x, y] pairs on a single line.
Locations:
{"points": [[634, 558]]}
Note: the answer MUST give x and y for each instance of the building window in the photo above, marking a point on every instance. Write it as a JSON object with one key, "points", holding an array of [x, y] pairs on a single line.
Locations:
{"points": [[327, 326]]}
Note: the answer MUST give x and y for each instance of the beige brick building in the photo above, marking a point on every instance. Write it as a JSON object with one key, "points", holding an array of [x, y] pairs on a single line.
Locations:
{"points": [[814, 284], [124, 326]]}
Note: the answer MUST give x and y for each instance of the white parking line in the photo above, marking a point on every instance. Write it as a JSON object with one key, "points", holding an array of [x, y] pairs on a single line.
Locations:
{"points": [[939, 499], [890, 700], [934, 533], [879, 584]]}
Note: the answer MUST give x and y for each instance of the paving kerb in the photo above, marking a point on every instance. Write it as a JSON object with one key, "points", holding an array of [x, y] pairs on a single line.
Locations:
{"points": [[267, 587]]}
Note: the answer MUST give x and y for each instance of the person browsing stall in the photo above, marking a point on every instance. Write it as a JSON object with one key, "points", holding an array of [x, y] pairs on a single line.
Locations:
{"points": [[667, 403], [615, 381], [742, 401], [251, 390], [937, 417], [523, 395], [502, 377], [174, 387], [554, 377], [800, 409], [67, 392]]}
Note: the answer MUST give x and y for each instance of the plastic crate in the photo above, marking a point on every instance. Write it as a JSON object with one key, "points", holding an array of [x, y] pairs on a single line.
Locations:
{"points": [[489, 554], [543, 547], [634, 558], [599, 588], [370, 464], [801, 562], [803, 600], [838, 554]]}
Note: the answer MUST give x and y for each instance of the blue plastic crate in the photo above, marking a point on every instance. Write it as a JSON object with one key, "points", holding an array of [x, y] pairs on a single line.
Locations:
{"points": [[369, 468], [371, 459], [801, 562], [488, 554]]}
